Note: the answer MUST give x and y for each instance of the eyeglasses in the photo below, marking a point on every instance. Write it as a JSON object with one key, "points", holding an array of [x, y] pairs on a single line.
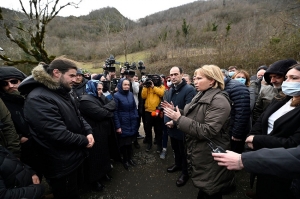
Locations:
{"points": [[13, 81]]}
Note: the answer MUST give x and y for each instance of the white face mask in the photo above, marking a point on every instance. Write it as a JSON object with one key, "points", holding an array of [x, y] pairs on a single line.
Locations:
{"points": [[169, 84], [291, 88]]}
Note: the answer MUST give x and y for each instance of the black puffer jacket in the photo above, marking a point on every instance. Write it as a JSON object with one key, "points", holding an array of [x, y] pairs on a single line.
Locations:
{"points": [[240, 110], [16, 178], [55, 124]]}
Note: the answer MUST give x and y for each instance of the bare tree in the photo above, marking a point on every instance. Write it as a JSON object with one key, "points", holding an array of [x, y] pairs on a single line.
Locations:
{"points": [[125, 34], [31, 36], [106, 28]]}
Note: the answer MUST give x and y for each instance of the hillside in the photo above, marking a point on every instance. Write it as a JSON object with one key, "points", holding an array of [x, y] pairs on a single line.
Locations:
{"points": [[247, 33]]}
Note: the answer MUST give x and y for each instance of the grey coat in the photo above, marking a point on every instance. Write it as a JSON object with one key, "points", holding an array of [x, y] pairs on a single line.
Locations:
{"points": [[207, 114]]}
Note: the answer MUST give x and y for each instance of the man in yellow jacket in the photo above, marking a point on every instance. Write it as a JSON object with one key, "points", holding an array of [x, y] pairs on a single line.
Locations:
{"points": [[153, 92]]}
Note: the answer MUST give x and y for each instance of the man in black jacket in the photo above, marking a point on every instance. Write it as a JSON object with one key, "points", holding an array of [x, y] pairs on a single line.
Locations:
{"points": [[179, 94], [17, 180], [60, 133], [78, 87]]}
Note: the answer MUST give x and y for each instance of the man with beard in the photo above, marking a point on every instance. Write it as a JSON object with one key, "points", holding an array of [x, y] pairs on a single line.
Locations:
{"points": [[274, 76], [59, 132]]}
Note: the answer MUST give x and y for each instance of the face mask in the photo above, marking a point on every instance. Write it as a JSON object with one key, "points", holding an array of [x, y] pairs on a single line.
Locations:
{"points": [[242, 80], [169, 84], [143, 79], [291, 88], [230, 74]]}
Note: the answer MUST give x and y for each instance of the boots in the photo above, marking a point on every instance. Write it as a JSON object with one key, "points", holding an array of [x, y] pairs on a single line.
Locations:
{"points": [[149, 146]]}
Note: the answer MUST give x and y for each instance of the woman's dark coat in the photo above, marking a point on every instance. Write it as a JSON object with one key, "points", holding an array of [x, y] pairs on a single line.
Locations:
{"points": [[286, 129], [286, 133], [208, 116], [98, 112], [126, 114], [16, 178]]}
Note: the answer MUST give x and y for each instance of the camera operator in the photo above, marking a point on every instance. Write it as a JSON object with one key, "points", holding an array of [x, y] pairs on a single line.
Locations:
{"points": [[153, 92], [110, 75]]}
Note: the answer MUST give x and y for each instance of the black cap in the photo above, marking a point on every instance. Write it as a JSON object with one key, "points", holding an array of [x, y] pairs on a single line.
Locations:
{"points": [[8, 72], [280, 67]]}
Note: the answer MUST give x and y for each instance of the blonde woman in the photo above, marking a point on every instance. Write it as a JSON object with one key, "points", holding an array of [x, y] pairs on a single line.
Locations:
{"points": [[205, 117]]}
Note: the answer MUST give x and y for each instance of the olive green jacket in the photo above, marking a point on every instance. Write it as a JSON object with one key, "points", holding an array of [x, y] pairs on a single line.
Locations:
{"points": [[8, 135], [207, 115]]}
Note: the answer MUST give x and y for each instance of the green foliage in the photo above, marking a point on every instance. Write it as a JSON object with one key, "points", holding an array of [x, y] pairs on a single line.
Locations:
{"points": [[228, 28], [214, 26], [185, 28], [274, 40]]}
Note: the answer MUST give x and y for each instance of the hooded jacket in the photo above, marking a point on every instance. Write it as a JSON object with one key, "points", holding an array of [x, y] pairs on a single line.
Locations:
{"points": [[55, 124], [126, 114], [280, 68]]}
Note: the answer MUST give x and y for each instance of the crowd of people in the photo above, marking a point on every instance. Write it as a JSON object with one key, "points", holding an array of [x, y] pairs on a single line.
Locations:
{"points": [[69, 127]]}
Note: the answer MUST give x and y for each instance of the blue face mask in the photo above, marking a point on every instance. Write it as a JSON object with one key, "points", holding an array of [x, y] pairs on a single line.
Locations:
{"points": [[242, 80], [230, 74], [291, 88]]}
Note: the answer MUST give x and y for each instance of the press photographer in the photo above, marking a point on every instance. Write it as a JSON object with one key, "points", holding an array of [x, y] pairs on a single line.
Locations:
{"points": [[152, 92], [110, 75]]}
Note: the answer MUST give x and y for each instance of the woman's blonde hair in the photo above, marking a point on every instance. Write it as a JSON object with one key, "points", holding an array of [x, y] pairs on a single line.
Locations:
{"points": [[212, 72]]}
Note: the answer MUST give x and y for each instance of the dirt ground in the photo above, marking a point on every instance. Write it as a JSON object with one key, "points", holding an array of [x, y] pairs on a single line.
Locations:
{"points": [[149, 179]]}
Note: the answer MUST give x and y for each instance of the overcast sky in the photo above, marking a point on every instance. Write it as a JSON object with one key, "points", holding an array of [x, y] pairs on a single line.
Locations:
{"points": [[132, 9]]}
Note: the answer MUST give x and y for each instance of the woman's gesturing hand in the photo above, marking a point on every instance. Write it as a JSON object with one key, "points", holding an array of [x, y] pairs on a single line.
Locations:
{"points": [[170, 113]]}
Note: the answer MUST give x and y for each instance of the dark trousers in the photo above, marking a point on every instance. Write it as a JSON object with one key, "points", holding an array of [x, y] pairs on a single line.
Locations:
{"points": [[165, 136], [237, 146], [156, 123], [272, 187], [126, 151], [180, 155], [67, 187], [203, 195]]}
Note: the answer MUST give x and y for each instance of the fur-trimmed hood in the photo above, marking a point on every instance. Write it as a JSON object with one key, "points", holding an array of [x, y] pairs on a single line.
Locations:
{"points": [[38, 77]]}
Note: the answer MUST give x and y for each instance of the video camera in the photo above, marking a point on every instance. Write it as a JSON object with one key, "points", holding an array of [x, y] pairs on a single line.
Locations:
{"points": [[115, 81], [141, 65], [109, 64], [152, 78]]}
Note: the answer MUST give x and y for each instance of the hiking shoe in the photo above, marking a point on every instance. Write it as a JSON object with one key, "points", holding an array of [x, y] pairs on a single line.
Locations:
{"points": [[163, 154]]}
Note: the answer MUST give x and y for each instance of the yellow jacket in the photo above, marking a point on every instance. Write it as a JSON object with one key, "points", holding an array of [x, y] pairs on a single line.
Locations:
{"points": [[153, 97]]}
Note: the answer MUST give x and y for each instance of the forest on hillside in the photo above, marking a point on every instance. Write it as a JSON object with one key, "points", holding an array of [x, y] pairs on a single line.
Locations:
{"points": [[246, 33]]}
